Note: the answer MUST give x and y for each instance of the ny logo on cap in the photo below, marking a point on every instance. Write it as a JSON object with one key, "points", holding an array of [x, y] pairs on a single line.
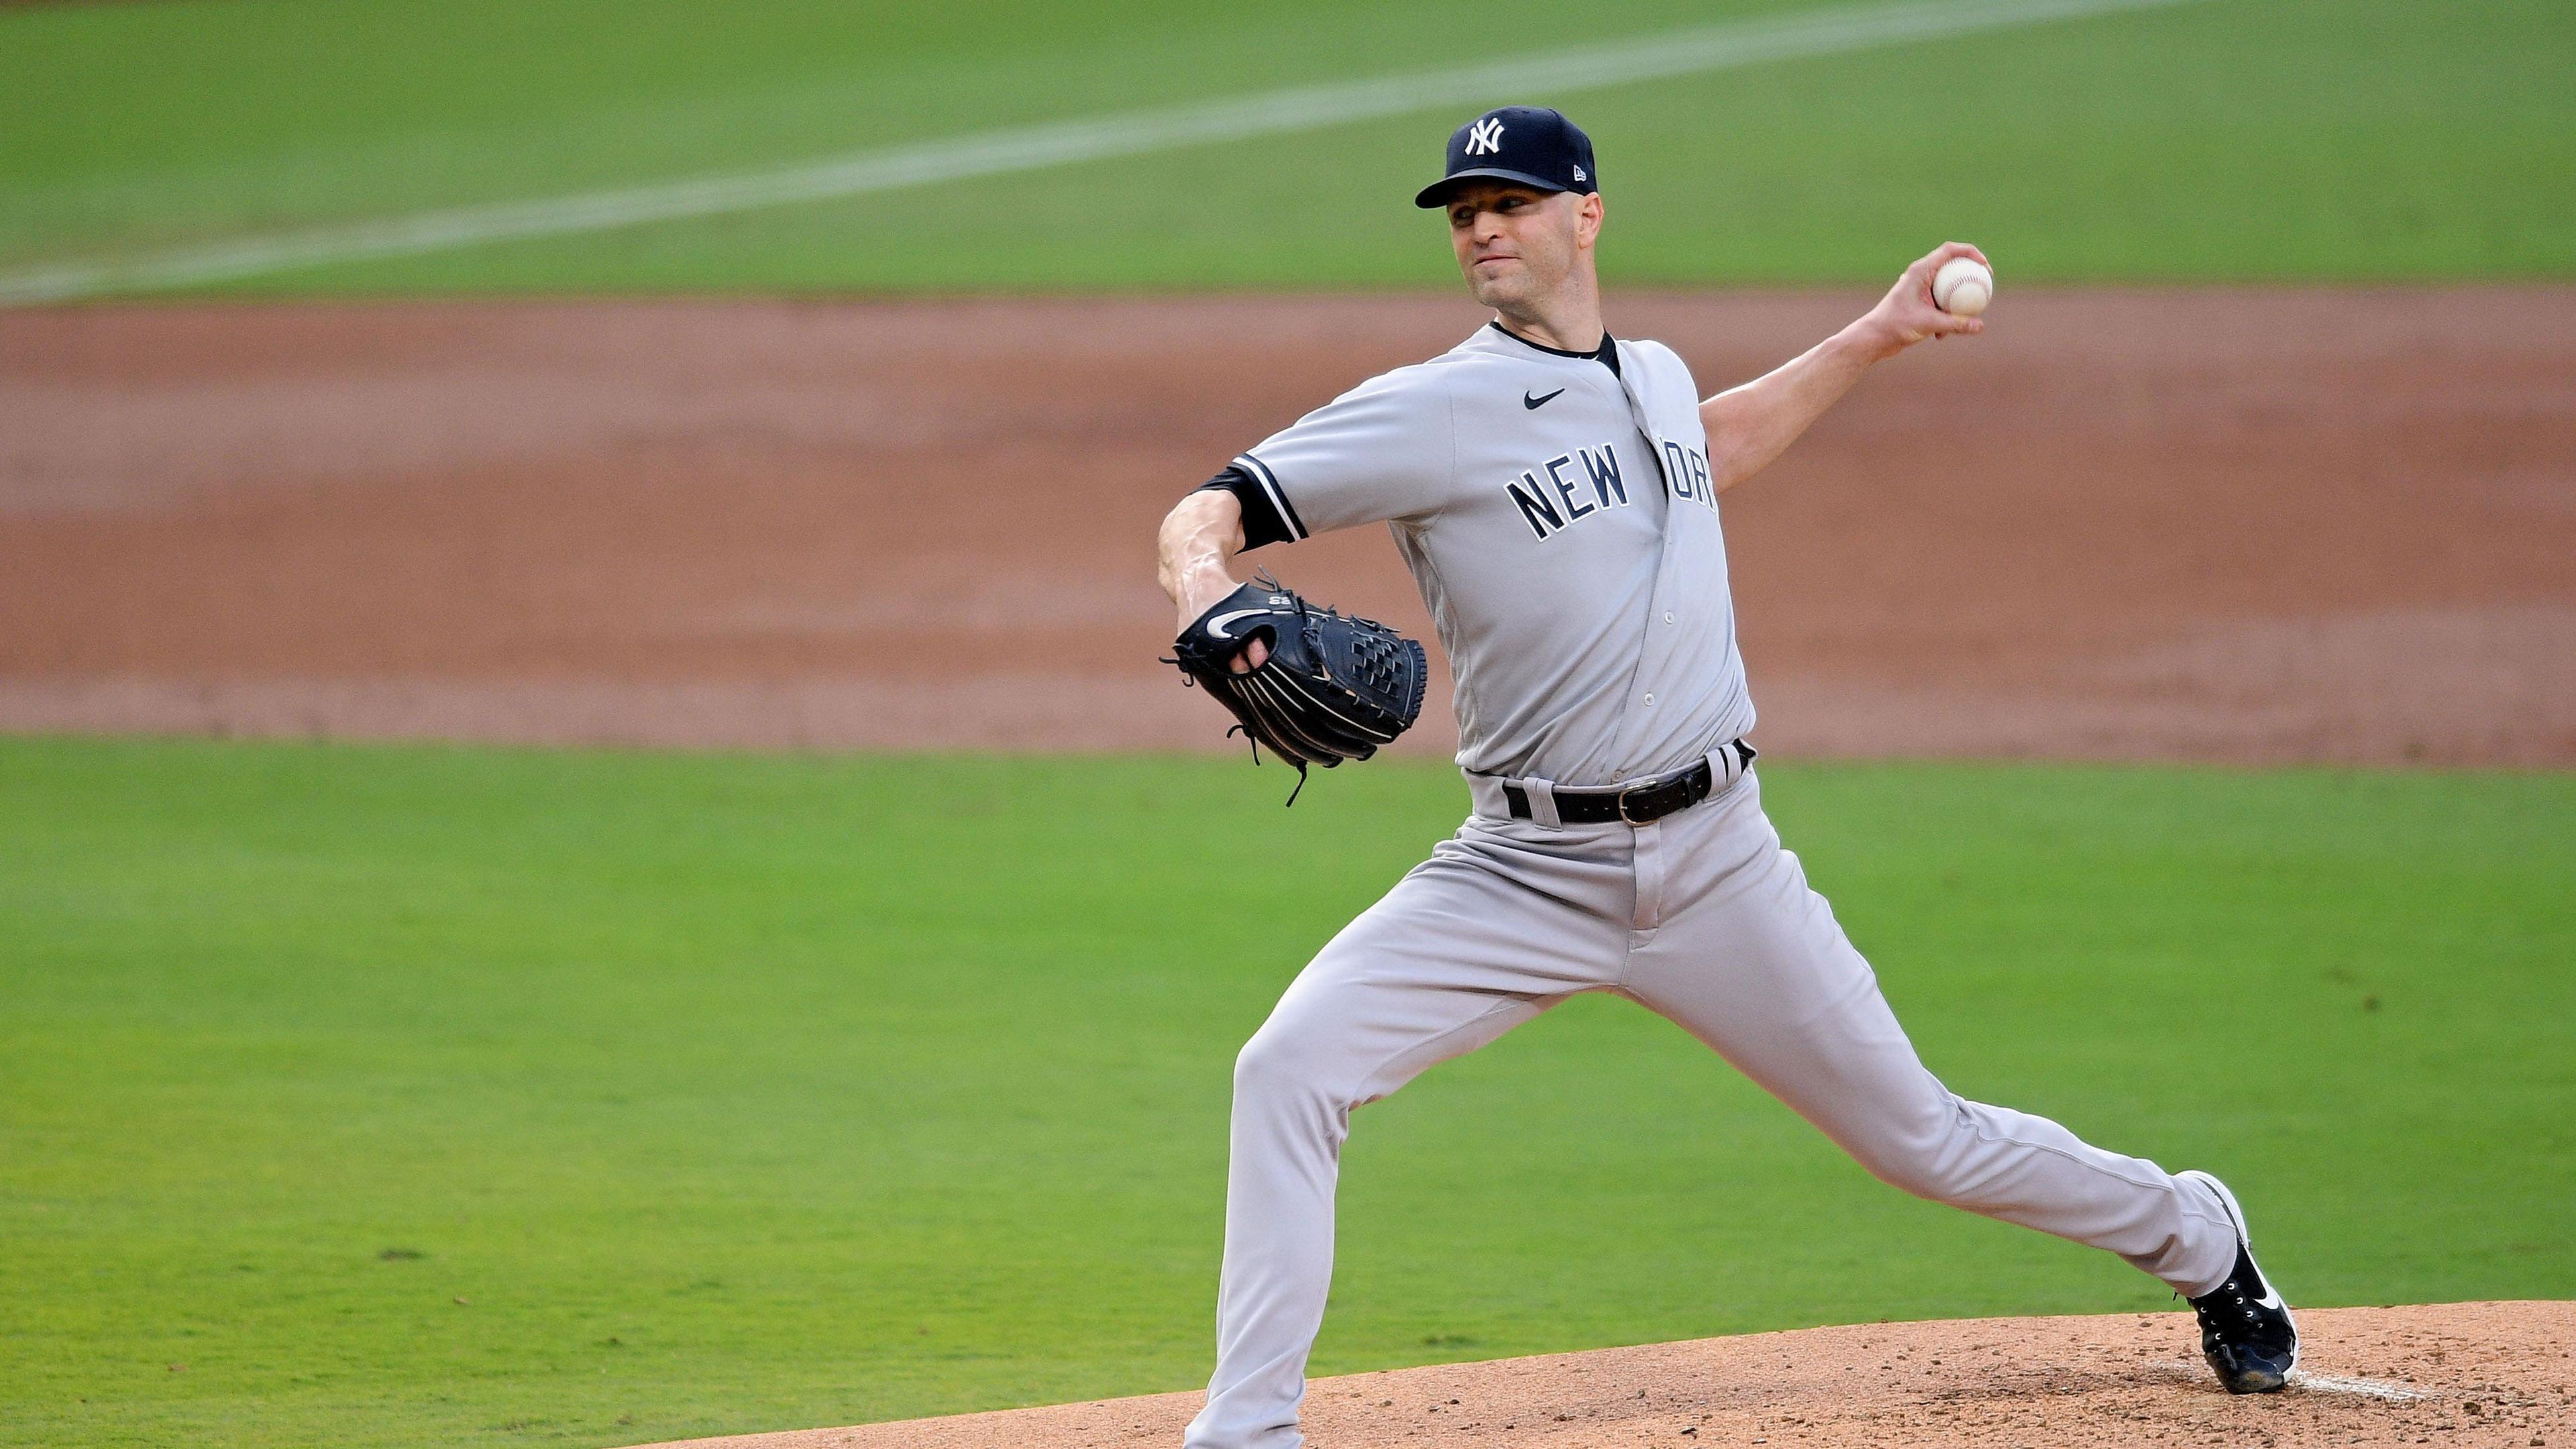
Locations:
{"points": [[1485, 137]]}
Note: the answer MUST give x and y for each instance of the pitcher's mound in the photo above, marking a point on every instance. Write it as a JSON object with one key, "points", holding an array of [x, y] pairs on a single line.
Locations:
{"points": [[2459, 1374]]}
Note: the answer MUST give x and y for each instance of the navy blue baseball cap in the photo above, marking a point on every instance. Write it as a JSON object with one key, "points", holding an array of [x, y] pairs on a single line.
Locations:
{"points": [[1531, 145]]}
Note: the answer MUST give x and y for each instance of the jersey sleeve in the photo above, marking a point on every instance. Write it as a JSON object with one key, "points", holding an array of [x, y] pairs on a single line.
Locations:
{"points": [[1384, 450], [1263, 524]]}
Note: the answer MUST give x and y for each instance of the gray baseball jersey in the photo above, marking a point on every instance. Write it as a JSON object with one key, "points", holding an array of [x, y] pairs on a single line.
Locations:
{"points": [[1560, 521]]}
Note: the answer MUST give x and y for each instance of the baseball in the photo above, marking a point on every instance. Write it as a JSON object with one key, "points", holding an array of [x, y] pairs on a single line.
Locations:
{"points": [[1963, 286]]}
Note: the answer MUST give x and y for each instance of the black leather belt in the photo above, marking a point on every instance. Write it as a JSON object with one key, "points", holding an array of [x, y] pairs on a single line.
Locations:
{"points": [[1637, 804]]}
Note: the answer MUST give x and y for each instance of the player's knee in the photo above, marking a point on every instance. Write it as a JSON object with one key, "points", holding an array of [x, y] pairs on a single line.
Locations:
{"points": [[1930, 1156], [1273, 1064], [1923, 1176]]}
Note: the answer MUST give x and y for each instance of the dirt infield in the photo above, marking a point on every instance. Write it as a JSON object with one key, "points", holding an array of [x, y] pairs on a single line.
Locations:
{"points": [[2464, 1374], [2274, 525]]}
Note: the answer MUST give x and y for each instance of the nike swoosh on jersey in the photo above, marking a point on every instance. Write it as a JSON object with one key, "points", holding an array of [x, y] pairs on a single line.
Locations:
{"points": [[1217, 625], [1534, 402]]}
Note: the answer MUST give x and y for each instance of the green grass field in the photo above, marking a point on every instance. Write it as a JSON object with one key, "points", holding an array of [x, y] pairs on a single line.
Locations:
{"points": [[413, 1096], [407, 1096], [2233, 139]]}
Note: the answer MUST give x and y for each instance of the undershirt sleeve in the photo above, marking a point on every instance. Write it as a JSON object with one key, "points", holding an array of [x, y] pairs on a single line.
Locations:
{"points": [[1262, 521]]}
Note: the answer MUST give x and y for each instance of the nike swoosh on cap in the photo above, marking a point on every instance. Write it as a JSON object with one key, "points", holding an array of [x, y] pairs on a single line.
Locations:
{"points": [[1534, 401]]}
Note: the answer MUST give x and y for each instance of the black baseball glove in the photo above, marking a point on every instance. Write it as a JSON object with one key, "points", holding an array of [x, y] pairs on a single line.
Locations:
{"points": [[1333, 688]]}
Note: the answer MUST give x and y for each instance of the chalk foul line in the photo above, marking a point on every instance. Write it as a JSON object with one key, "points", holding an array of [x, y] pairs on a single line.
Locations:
{"points": [[1696, 51]]}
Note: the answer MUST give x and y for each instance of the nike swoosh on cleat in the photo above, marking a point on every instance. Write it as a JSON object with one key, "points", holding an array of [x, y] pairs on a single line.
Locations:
{"points": [[2271, 1298], [1533, 402]]}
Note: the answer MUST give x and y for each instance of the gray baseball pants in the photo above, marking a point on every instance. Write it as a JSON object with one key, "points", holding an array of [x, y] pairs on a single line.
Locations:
{"points": [[1701, 917]]}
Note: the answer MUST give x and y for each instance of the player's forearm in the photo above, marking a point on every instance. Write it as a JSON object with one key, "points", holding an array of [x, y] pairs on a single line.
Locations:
{"points": [[1749, 426], [1201, 536]]}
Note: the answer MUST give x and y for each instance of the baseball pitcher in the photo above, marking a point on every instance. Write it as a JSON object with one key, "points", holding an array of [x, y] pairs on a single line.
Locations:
{"points": [[1555, 492]]}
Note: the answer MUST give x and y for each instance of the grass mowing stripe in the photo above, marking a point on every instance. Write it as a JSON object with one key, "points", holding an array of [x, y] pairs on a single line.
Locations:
{"points": [[419, 1096], [1688, 52]]}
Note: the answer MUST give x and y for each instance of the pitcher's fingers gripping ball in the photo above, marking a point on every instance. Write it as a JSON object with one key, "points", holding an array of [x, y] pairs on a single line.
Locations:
{"points": [[1332, 688]]}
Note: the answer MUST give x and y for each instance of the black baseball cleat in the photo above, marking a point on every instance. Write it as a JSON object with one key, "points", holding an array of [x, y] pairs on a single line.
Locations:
{"points": [[2245, 1329]]}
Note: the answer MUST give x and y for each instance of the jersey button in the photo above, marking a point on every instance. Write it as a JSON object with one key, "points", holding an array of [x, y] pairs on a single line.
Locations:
{"points": [[1668, 618], [1650, 699]]}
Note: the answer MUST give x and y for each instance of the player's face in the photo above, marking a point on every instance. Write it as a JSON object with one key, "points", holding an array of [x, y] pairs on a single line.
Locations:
{"points": [[1517, 243]]}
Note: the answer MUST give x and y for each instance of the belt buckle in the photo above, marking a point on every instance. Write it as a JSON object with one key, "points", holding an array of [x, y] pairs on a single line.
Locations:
{"points": [[1645, 789]]}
